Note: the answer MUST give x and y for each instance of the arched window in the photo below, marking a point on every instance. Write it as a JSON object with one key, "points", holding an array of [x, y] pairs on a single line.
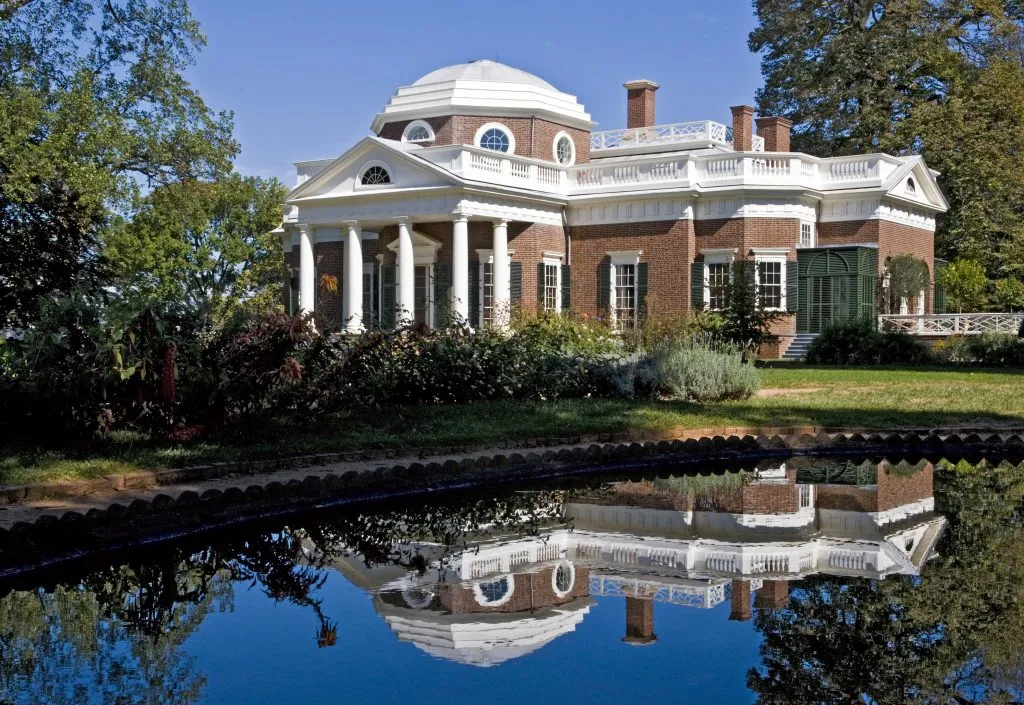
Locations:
{"points": [[418, 131], [564, 149], [563, 578], [496, 137], [911, 186], [375, 175]]}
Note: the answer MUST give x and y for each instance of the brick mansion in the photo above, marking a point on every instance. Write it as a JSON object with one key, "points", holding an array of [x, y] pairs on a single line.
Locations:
{"points": [[484, 188]]}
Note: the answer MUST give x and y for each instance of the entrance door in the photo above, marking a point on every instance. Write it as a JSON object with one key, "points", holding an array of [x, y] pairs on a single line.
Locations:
{"points": [[829, 300]]}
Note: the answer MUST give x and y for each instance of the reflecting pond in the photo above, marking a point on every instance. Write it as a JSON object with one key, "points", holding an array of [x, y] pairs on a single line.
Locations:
{"points": [[812, 580]]}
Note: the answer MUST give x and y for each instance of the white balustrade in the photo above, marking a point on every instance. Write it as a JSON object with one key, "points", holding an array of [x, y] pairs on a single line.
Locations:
{"points": [[769, 167], [761, 563], [851, 170], [722, 562], [946, 324], [548, 552], [484, 566], [519, 558], [676, 133], [722, 168], [847, 560]]}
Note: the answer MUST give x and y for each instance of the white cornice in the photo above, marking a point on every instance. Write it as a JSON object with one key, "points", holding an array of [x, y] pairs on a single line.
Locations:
{"points": [[630, 211]]}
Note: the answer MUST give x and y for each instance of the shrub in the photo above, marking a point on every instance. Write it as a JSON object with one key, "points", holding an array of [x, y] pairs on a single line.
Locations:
{"points": [[704, 371], [857, 342]]}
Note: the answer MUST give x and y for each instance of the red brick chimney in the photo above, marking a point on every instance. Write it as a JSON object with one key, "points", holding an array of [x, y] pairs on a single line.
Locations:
{"points": [[640, 103], [776, 132], [742, 128], [773, 595], [741, 610], [639, 621]]}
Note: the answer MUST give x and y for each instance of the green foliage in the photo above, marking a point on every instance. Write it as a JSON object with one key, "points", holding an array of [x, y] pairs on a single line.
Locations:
{"points": [[964, 282], [566, 333], [1008, 295], [93, 107], [938, 77], [744, 322], [905, 278], [202, 249], [858, 342], [985, 350], [704, 371]]}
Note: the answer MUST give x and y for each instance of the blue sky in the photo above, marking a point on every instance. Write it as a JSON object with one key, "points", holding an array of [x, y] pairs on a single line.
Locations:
{"points": [[306, 77]]}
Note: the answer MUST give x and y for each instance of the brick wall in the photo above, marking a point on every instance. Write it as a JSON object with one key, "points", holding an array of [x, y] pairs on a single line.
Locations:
{"points": [[740, 608], [846, 497], [667, 249], [773, 595], [534, 137], [896, 490], [639, 620], [529, 241], [532, 591]]}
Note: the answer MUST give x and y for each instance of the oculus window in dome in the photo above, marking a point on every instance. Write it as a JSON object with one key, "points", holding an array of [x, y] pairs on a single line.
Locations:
{"points": [[564, 149], [496, 137]]}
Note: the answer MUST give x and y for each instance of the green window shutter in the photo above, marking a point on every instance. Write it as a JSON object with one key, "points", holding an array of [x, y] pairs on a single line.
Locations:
{"points": [[293, 296], [565, 287], [515, 283], [474, 294], [641, 290], [697, 286], [387, 298], [939, 294], [442, 294], [540, 288], [604, 286], [793, 286]]}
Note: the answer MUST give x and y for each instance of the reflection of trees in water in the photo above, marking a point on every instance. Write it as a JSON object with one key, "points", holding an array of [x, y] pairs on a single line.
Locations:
{"points": [[955, 635], [116, 636]]}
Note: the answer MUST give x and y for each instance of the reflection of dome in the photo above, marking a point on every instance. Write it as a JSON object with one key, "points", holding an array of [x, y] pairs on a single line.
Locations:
{"points": [[483, 639], [482, 88]]}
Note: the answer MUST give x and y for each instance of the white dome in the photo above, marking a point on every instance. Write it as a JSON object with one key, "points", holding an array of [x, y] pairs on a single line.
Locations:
{"points": [[482, 88], [484, 70]]}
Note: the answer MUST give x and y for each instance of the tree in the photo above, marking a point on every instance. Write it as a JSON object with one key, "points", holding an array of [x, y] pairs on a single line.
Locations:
{"points": [[1009, 295], [203, 247], [941, 77], [93, 109], [964, 282], [745, 321]]}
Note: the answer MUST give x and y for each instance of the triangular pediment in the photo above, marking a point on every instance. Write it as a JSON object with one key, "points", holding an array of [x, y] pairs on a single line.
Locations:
{"points": [[344, 176], [916, 183]]}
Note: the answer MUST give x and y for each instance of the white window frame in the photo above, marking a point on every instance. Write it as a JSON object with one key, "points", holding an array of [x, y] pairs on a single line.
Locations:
{"points": [[495, 125], [487, 257], [618, 259], [359, 185], [482, 600], [572, 148], [554, 578], [771, 254], [552, 260], [812, 241], [429, 306], [716, 256], [418, 123]]}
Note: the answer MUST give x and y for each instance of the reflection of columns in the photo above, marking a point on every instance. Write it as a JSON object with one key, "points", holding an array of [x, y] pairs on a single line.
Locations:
{"points": [[353, 279], [773, 595], [741, 610], [307, 270], [501, 275], [406, 274], [639, 621], [460, 269]]}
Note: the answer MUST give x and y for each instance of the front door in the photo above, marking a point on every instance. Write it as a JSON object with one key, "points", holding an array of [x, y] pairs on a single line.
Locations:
{"points": [[829, 300]]}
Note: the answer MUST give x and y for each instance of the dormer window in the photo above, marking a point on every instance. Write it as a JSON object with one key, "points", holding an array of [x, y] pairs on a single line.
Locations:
{"points": [[418, 131], [375, 175], [496, 137], [911, 186]]}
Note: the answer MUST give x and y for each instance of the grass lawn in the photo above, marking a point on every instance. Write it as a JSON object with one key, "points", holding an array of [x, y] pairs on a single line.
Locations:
{"points": [[876, 398]]}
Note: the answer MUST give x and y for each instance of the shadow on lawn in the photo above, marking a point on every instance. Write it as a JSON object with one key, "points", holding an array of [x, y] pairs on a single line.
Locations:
{"points": [[794, 365]]}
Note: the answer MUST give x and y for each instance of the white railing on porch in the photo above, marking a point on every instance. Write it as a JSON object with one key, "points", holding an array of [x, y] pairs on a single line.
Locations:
{"points": [[676, 133], [953, 323]]}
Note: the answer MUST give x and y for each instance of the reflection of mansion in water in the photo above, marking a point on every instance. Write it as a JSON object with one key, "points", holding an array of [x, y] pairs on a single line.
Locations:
{"points": [[660, 541]]}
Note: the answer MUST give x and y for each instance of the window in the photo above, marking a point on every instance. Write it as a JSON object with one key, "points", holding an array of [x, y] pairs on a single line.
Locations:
{"points": [[716, 291], [552, 286], [911, 186], [806, 235], [370, 309], [496, 137], [625, 296], [375, 175], [564, 149], [769, 284], [563, 578], [422, 294], [487, 300], [494, 592], [418, 131]]}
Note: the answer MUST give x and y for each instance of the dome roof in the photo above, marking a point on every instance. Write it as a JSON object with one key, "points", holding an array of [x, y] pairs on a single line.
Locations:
{"points": [[484, 70], [482, 87]]}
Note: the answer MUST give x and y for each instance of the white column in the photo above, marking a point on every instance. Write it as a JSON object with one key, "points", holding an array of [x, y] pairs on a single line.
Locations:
{"points": [[460, 268], [353, 278], [501, 274], [406, 274], [307, 269]]}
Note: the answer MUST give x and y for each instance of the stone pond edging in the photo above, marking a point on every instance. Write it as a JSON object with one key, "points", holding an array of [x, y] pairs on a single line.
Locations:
{"points": [[251, 493]]}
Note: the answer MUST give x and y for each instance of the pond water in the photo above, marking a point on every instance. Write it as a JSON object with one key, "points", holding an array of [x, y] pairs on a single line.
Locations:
{"points": [[812, 580]]}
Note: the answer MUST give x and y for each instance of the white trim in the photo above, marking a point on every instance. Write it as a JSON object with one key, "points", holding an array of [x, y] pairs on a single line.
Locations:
{"points": [[495, 126], [478, 593], [418, 123], [772, 254], [630, 211], [424, 248], [552, 254], [716, 256], [620, 258], [572, 148], [721, 254], [556, 262], [625, 256], [747, 207], [554, 578], [359, 185], [485, 257], [814, 234]]}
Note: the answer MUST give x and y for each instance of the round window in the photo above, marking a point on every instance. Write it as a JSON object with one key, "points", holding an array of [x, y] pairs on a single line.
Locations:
{"points": [[563, 578], [495, 139], [376, 175], [564, 151], [495, 590]]}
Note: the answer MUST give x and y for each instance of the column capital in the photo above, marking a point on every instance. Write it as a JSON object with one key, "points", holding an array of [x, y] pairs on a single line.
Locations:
{"points": [[303, 227], [460, 217], [402, 219], [500, 222], [350, 223]]}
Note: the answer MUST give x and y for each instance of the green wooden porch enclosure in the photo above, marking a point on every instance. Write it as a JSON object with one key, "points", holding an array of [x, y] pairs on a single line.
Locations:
{"points": [[836, 283]]}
